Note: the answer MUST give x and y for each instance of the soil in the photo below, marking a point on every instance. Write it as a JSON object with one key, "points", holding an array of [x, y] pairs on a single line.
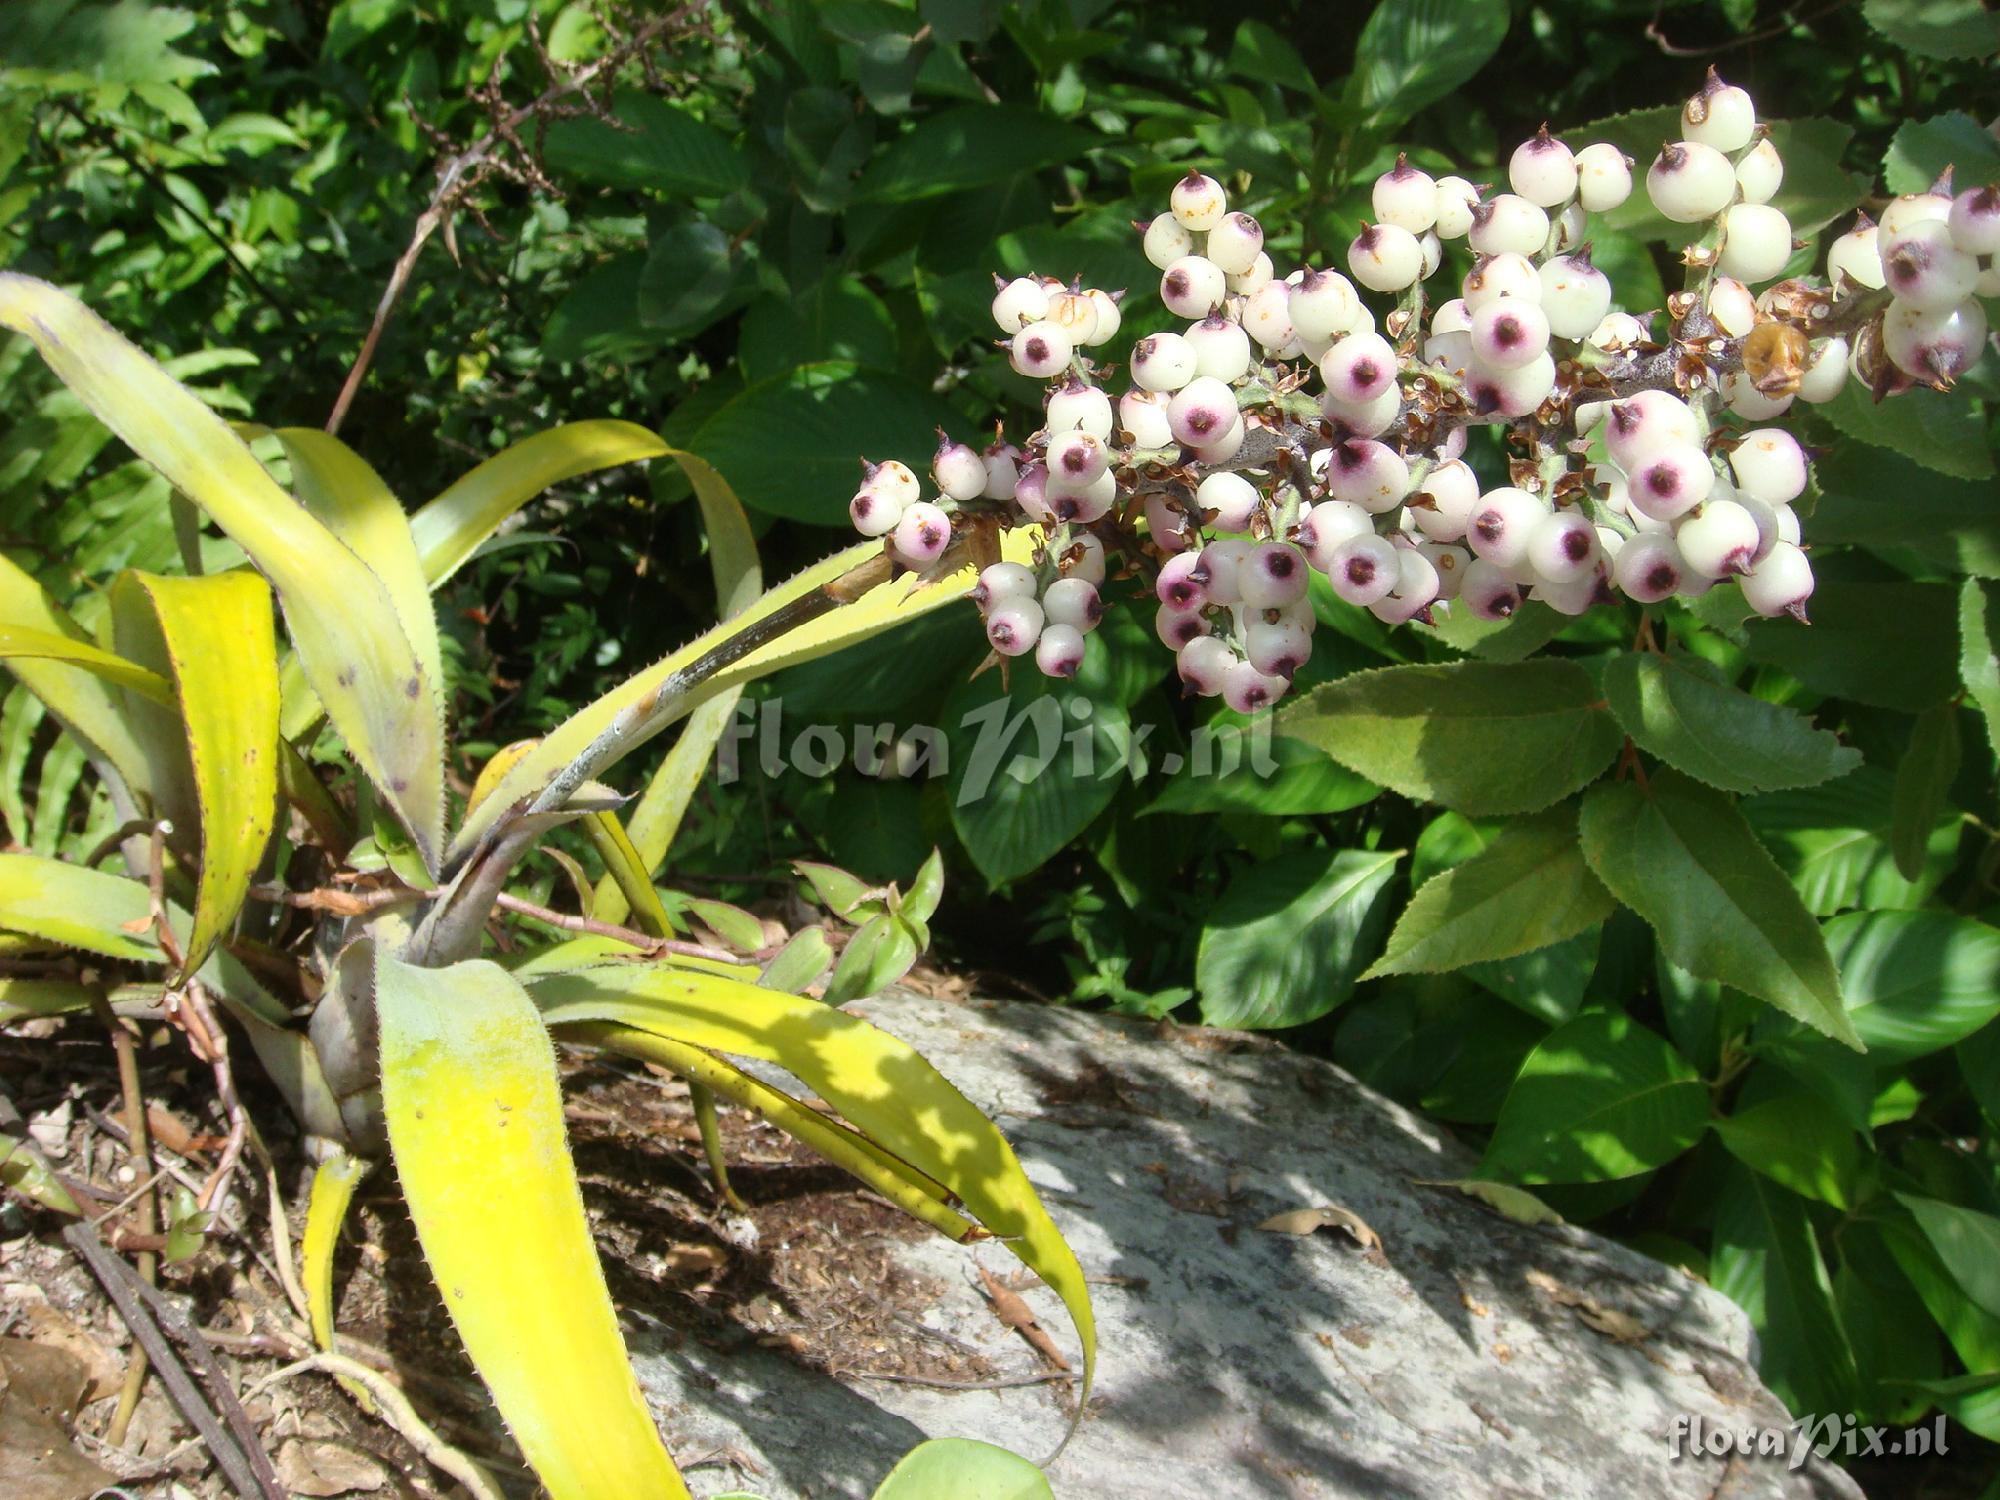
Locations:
{"points": [[803, 1270]]}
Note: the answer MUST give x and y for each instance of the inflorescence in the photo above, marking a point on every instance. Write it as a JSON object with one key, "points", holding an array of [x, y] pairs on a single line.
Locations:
{"points": [[1286, 430]]}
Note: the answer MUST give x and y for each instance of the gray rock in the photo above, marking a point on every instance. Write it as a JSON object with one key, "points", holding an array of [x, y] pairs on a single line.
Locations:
{"points": [[1468, 1356]]}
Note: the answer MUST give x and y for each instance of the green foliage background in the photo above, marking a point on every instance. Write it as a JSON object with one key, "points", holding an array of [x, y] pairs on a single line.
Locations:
{"points": [[1629, 973]]}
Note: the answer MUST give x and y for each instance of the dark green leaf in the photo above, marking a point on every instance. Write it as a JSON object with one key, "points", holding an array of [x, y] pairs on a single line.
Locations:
{"points": [[1922, 150], [599, 317], [827, 140], [1979, 654], [1799, 1142], [1923, 787], [1888, 644], [1516, 638], [1414, 52], [1967, 1241], [1274, 775], [1767, 1260], [663, 148], [1973, 1332], [1480, 737], [1915, 981], [690, 272], [1680, 709], [1527, 889], [1289, 935], [1937, 28], [1979, 1060], [1833, 841], [1547, 983], [1025, 777], [1879, 499], [837, 319], [1261, 55], [1601, 1098], [1682, 857], [970, 147], [1939, 430], [790, 445]]}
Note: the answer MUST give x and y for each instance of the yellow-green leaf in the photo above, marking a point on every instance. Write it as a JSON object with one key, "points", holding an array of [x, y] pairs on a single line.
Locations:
{"points": [[339, 487], [880, 1084], [340, 617], [87, 706], [732, 555], [914, 1192], [450, 528], [224, 655], [626, 717], [21, 998], [19, 641], [333, 1185], [475, 1115], [76, 907]]}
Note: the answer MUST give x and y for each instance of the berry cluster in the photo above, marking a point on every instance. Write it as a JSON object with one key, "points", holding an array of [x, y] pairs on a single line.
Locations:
{"points": [[1284, 430]]}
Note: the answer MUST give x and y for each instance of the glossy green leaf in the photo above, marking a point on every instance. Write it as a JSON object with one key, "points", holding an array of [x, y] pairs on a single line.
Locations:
{"points": [[878, 954], [1480, 737], [1967, 1241], [1880, 500], [1833, 841], [690, 277], [1289, 936], [1601, 1098], [1923, 787], [1916, 981], [26, 1171], [1414, 52], [1527, 889], [829, 413], [340, 616], [1766, 1259], [1979, 653], [1922, 150], [1973, 1332], [1938, 430], [969, 147], [1681, 855], [837, 318], [964, 1470], [1799, 1142], [655, 146], [796, 967], [1937, 28], [875, 1081], [475, 1115], [218, 637], [1680, 709], [1887, 644], [1277, 776]]}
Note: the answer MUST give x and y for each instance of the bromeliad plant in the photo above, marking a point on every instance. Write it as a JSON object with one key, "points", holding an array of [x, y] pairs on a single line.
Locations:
{"points": [[386, 1026]]}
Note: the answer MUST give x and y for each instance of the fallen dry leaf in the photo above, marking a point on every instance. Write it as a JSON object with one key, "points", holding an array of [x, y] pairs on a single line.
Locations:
{"points": [[1328, 1216], [1608, 1321], [1017, 1315], [314, 1466], [39, 1389]]}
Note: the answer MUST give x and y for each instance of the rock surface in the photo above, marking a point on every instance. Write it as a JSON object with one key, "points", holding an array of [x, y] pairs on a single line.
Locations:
{"points": [[1468, 1355]]}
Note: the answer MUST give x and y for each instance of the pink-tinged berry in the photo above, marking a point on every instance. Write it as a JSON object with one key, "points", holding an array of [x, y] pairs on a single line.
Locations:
{"points": [[1202, 663], [1543, 170], [1648, 567], [1364, 568], [1277, 648], [1509, 333], [1040, 351], [1248, 690], [922, 534], [1720, 115], [1031, 492], [1371, 474], [1076, 459], [1002, 581], [1974, 221], [1059, 650], [1385, 258], [1222, 561], [1073, 602], [1274, 574], [1718, 541], [1227, 501], [1563, 546], [1672, 482], [1142, 415], [1163, 362], [1013, 627], [1488, 591], [1003, 472], [1934, 348], [1780, 584], [958, 470], [1235, 243], [1201, 411], [1018, 303], [1926, 270], [1183, 582], [1770, 465], [1689, 182], [874, 512], [1193, 287], [1078, 406], [1221, 349], [1359, 368], [1645, 423], [1502, 524], [1198, 202], [1177, 627], [1168, 525], [1327, 526]]}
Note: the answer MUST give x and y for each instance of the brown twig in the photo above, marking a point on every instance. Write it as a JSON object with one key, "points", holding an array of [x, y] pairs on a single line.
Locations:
{"points": [[237, 1452], [149, 1223], [637, 939], [461, 173]]}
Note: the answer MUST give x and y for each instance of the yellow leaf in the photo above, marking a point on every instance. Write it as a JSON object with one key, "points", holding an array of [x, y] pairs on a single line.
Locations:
{"points": [[19, 641], [475, 1116], [76, 907], [87, 706], [603, 732], [879, 1083], [450, 528], [218, 637], [338, 612], [336, 484], [333, 1185]]}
